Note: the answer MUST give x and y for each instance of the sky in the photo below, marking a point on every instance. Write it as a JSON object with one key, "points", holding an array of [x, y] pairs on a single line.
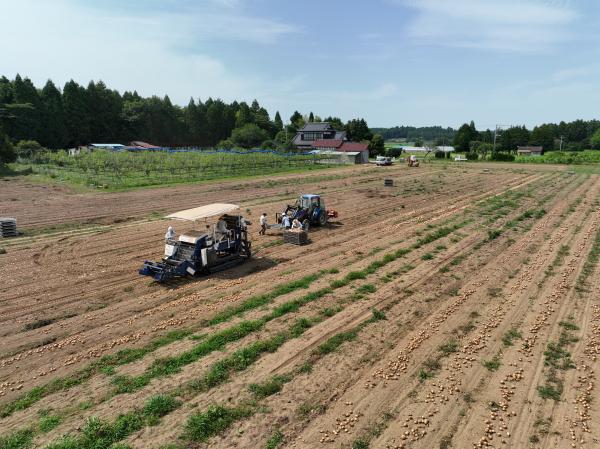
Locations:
{"points": [[392, 62]]}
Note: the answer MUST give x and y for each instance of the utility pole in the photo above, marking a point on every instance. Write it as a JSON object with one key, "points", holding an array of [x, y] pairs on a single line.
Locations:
{"points": [[495, 135], [497, 131], [561, 142]]}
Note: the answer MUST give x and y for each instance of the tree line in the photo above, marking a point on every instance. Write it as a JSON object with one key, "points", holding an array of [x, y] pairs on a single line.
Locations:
{"points": [[78, 115], [568, 136], [412, 133]]}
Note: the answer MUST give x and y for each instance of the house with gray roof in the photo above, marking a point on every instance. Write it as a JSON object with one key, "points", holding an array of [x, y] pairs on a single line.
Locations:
{"points": [[313, 131]]}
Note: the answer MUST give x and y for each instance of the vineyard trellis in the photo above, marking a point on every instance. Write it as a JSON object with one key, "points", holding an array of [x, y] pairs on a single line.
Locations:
{"points": [[125, 169]]}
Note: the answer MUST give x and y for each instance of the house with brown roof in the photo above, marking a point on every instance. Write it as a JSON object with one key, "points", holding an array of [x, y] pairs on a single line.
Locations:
{"points": [[313, 131], [530, 151]]}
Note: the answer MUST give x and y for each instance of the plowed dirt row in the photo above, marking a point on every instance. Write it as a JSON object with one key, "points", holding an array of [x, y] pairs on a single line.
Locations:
{"points": [[361, 401], [137, 301], [159, 386], [97, 306]]}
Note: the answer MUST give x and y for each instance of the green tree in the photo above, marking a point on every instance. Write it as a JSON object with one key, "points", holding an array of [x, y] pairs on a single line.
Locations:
{"points": [[463, 137], [377, 145], [278, 122], [595, 140], [543, 135], [311, 117], [27, 123], [336, 122], [7, 152], [513, 137], [297, 120], [262, 120], [77, 114], [479, 147], [54, 134], [249, 136], [243, 115], [358, 130]]}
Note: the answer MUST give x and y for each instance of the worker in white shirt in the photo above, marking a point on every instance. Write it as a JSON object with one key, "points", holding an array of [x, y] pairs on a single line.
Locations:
{"points": [[296, 224], [170, 233], [263, 224], [286, 222], [221, 230]]}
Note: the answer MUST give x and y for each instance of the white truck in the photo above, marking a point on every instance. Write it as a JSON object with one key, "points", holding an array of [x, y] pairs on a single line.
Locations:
{"points": [[383, 160]]}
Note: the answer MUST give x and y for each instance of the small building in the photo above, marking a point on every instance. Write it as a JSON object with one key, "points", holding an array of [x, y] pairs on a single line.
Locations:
{"points": [[106, 146], [139, 145], [339, 157], [344, 146], [409, 149], [530, 151], [314, 131]]}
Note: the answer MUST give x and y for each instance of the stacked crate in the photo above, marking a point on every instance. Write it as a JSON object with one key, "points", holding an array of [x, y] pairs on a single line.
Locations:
{"points": [[8, 227], [296, 237]]}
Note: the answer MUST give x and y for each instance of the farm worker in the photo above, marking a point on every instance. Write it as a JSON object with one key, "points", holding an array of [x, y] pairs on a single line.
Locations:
{"points": [[263, 224], [285, 221], [296, 224], [221, 229], [170, 233]]}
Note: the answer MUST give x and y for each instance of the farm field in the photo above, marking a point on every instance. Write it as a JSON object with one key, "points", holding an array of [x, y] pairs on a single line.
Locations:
{"points": [[459, 308]]}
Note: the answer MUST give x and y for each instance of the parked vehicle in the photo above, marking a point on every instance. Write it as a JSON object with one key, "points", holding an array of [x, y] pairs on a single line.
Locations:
{"points": [[383, 160]]}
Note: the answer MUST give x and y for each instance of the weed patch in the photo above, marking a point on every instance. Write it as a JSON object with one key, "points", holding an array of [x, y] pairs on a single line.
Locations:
{"points": [[201, 426], [269, 387]]}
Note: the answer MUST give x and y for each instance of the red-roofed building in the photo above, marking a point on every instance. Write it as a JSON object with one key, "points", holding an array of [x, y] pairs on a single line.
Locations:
{"points": [[144, 145], [355, 146], [344, 146], [327, 144]]}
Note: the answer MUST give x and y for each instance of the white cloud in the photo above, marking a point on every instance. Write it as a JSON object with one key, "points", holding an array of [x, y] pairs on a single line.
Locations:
{"points": [[153, 54], [506, 25]]}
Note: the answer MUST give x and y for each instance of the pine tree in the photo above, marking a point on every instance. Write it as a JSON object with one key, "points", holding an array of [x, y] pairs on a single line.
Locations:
{"points": [[77, 114], [54, 133], [278, 122], [27, 123], [243, 115]]}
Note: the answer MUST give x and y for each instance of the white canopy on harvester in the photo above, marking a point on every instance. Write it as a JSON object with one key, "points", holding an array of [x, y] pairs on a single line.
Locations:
{"points": [[210, 210]]}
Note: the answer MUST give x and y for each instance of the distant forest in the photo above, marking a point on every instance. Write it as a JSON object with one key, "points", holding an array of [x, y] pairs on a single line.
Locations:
{"points": [[411, 133], [571, 136], [78, 115]]}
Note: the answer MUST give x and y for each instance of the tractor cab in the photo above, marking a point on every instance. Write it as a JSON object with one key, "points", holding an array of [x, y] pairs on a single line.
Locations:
{"points": [[310, 203], [309, 209], [218, 246]]}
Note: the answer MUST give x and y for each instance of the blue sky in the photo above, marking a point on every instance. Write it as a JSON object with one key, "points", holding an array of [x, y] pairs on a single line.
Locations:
{"points": [[393, 62]]}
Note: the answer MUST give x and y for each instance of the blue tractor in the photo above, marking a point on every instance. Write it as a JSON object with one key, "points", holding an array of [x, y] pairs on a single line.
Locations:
{"points": [[198, 252], [309, 209]]}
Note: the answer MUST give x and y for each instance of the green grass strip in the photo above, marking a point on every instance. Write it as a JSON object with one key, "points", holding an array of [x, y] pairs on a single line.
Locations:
{"points": [[21, 439], [203, 425], [100, 434]]}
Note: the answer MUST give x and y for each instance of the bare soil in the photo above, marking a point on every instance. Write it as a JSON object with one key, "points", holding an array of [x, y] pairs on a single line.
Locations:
{"points": [[436, 372]]}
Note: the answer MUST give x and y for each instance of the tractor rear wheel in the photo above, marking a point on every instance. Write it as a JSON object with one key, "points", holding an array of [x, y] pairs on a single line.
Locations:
{"points": [[323, 219]]}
